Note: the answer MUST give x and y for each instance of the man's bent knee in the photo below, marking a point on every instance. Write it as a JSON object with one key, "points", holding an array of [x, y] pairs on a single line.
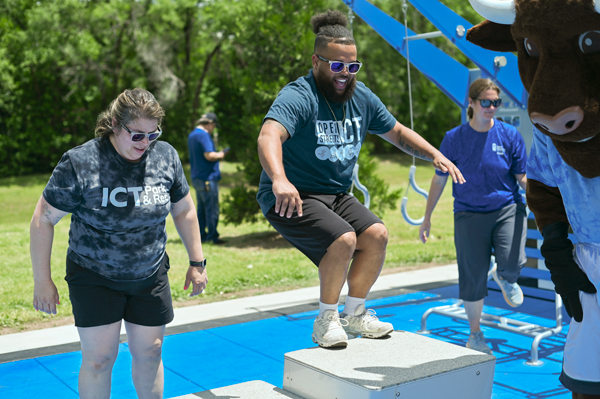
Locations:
{"points": [[376, 234], [344, 244]]}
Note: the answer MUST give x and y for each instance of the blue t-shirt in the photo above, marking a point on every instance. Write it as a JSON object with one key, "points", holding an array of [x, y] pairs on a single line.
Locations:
{"points": [[580, 195], [118, 207], [199, 142], [489, 162], [322, 149]]}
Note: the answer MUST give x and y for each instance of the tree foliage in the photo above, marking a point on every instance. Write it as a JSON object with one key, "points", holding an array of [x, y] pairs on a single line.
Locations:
{"points": [[63, 61]]}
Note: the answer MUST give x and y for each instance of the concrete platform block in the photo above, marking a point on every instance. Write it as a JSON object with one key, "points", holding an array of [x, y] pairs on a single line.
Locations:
{"points": [[246, 390], [404, 366]]}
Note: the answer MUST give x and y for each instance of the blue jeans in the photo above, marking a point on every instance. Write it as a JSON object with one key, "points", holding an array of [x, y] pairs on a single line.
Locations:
{"points": [[207, 196]]}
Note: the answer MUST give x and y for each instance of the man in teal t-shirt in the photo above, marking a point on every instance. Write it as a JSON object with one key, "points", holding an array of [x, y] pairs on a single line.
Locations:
{"points": [[308, 146]]}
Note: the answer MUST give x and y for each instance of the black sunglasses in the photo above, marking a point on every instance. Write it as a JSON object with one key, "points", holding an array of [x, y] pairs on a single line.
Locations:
{"points": [[338, 66], [489, 103], [136, 136]]}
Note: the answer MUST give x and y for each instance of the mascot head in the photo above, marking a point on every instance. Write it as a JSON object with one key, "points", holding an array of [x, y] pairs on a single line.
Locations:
{"points": [[558, 47]]}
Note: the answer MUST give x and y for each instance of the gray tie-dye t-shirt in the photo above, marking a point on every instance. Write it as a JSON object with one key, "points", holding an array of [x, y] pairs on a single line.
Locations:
{"points": [[118, 207]]}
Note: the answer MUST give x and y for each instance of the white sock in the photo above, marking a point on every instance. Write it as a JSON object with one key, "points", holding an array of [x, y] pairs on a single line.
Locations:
{"points": [[325, 306], [352, 303]]}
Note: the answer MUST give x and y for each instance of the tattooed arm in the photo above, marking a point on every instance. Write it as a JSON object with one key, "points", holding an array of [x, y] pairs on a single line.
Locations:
{"points": [[272, 135], [41, 234], [412, 143]]}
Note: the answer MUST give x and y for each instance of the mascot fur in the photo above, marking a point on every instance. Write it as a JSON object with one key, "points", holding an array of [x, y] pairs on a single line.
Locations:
{"points": [[558, 48]]}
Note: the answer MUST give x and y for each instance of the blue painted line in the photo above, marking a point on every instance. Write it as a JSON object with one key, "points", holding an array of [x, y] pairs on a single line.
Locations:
{"points": [[28, 378], [64, 367]]}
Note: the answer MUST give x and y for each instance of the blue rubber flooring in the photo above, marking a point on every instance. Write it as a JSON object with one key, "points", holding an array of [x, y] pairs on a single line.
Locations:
{"points": [[207, 359]]}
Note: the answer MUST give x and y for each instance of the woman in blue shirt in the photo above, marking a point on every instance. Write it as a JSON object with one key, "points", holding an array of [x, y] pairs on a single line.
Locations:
{"points": [[489, 212]]}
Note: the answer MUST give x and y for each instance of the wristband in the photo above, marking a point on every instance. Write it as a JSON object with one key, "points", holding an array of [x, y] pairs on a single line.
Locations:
{"points": [[202, 263]]}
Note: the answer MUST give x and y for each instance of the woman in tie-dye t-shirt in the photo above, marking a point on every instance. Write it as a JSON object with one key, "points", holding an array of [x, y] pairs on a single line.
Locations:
{"points": [[119, 189]]}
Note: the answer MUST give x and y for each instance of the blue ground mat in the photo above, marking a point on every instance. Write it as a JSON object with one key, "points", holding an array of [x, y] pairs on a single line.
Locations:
{"points": [[216, 357]]}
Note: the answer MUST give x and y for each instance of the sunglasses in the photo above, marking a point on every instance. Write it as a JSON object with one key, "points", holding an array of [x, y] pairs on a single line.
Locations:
{"points": [[136, 136], [338, 66], [489, 103]]}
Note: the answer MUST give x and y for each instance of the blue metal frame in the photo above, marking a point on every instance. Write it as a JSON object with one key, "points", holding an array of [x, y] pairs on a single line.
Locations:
{"points": [[451, 79], [450, 76], [446, 20]]}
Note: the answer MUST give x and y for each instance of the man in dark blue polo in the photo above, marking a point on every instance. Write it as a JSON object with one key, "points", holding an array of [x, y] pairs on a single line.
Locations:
{"points": [[204, 161]]}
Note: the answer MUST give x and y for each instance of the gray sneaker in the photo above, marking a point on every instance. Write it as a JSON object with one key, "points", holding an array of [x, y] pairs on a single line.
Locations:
{"points": [[365, 323], [328, 330], [477, 342], [513, 295]]}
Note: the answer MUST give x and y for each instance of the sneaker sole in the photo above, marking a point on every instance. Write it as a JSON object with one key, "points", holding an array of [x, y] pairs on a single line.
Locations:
{"points": [[510, 303], [506, 299], [334, 344], [486, 352], [371, 335]]}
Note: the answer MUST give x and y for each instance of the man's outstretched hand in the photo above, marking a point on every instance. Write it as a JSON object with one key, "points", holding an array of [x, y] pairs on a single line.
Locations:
{"points": [[443, 164]]}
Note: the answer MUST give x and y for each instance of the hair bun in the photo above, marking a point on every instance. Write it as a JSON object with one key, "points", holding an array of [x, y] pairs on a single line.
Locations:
{"points": [[331, 17]]}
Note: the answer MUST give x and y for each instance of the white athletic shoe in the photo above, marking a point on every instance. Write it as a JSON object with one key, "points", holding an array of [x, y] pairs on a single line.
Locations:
{"points": [[365, 323], [477, 342], [328, 330], [513, 295]]}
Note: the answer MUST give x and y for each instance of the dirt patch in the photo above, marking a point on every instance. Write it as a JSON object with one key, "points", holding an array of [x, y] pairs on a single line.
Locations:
{"points": [[69, 320], [241, 294], [38, 325]]}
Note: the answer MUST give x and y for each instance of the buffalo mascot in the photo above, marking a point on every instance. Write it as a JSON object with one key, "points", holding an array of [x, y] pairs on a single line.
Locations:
{"points": [[558, 48]]}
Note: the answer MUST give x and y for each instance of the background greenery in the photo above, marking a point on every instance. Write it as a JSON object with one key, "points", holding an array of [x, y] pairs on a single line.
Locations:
{"points": [[276, 265], [63, 61]]}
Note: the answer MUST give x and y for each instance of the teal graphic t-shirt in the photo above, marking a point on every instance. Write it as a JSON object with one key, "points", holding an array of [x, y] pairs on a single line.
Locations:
{"points": [[325, 140], [118, 208]]}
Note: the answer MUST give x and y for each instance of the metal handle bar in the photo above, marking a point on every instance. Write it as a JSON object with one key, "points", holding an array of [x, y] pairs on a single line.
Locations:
{"points": [[360, 186], [418, 190]]}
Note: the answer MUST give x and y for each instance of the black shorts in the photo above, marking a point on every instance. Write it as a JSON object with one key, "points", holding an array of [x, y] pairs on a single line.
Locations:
{"points": [[325, 218], [98, 301]]}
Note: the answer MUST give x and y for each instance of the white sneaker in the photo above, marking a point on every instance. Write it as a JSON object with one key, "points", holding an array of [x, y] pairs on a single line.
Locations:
{"points": [[328, 330], [365, 323], [513, 295], [477, 342]]}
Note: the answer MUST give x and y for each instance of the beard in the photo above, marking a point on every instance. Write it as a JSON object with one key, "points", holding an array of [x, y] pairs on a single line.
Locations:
{"points": [[326, 85]]}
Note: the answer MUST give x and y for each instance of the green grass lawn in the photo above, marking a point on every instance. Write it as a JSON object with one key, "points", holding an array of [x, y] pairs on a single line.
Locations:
{"points": [[255, 259]]}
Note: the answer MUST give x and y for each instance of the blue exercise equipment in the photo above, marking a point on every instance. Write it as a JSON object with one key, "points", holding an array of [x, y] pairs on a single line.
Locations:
{"points": [[449, 75]]}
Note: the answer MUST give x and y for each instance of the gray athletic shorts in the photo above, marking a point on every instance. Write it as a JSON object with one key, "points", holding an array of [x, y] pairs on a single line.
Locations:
{"points": [[475, 234], [325, 217]]}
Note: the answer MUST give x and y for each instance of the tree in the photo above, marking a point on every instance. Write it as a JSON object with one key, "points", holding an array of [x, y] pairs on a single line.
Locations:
{"points": [[384, 72], [63, 61]]}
